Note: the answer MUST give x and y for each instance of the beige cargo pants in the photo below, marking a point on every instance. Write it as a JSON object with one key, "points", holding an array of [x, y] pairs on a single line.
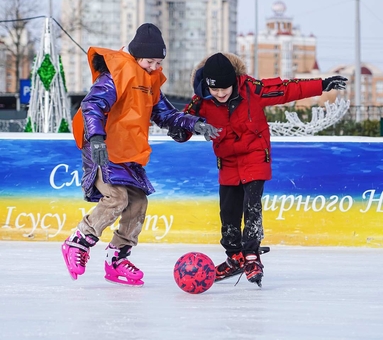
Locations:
{"points": [[126, 201]]}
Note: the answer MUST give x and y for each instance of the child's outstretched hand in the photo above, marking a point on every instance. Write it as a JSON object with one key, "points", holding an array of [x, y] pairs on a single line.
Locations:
{"points": [[209, 131], [334, 83]]}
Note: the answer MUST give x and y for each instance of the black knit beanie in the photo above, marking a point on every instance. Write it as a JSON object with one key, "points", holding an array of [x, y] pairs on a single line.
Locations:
{"points": [[148, 43], [218, 72]]}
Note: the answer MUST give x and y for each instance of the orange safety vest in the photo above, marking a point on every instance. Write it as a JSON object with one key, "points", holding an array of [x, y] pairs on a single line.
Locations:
{"points": [[127, 126]]}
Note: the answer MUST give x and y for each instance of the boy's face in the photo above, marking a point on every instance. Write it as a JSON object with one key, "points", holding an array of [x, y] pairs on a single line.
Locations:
{"points": [[222, 95], [149, 64]]}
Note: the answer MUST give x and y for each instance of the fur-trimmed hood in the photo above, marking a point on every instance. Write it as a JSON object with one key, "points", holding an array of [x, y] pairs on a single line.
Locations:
{"points": [[196, 75]]}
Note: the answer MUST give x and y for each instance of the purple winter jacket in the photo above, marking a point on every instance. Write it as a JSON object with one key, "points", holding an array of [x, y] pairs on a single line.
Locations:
{"points": [[99, 100]]}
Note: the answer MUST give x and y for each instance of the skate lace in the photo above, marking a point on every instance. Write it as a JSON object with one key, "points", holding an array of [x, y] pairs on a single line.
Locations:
{"points": [[83, 258], [239, 279], [128, 265]]}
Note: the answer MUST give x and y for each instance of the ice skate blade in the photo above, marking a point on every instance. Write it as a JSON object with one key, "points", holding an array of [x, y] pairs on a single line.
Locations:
{"points": [[257, 279], [263, 250], [130, 283], [73, 276]]}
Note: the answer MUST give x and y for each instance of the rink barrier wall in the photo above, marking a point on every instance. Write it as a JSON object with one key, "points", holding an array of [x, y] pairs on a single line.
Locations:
{"points": [[325, 191]]}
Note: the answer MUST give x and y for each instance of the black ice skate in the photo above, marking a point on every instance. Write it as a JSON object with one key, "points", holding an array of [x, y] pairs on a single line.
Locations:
{"points": [[234, 265], [254, 269], [231, 267]]}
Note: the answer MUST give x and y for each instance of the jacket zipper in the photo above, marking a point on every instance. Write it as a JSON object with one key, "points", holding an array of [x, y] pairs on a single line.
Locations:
{"points": [[272, 94]]}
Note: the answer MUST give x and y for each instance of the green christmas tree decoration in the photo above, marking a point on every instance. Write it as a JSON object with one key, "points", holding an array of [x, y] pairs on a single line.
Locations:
{"points": [[46, 72], [28, 127], [62, 73], [64, 127]]}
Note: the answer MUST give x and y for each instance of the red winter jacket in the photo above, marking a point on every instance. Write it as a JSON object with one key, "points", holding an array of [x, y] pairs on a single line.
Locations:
{"points": [[243, 148]]}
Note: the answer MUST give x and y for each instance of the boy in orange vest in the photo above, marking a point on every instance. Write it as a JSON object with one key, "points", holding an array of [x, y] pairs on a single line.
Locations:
{"points": [[112, 130]]}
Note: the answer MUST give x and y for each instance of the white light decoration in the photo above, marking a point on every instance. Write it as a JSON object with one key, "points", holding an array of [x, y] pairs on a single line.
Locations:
{"points": [[321, 119]]}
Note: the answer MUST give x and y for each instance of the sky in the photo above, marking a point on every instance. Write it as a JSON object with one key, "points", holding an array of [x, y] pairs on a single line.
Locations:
{"points": [[331, 21], [333, 24]]}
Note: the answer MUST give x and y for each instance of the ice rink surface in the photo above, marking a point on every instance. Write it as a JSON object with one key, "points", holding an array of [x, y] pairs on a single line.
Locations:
{"points": [[308, 293]]}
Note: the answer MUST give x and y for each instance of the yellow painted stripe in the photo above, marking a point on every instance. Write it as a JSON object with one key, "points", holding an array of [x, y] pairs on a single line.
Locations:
{"points": [[190, 221]]}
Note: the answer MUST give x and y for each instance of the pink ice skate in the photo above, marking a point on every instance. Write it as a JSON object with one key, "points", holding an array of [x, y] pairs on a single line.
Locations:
{"points": [[119, 269], [76, 250]]}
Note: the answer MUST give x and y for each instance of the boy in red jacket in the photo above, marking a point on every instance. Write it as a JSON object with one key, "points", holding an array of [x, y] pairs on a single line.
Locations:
{"points": [[234, 102]]}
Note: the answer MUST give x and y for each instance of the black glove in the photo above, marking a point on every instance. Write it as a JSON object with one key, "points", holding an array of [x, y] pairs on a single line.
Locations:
{"points": [[178, 134], [209, 131], [98, 147], [334, 83]]}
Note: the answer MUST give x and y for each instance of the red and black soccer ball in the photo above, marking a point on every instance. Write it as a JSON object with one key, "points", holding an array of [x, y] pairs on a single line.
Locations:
{"points": [[194, 272]]}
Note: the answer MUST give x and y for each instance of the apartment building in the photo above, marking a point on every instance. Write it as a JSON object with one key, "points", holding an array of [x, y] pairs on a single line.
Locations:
{"points": [[283, 50], [371, 83], [192, 29], [2, 67], [8, 78], [371, 88]]}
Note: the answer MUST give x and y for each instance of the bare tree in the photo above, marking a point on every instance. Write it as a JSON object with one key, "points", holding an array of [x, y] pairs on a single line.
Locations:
{"points": [[21, 26], [17, 21]]}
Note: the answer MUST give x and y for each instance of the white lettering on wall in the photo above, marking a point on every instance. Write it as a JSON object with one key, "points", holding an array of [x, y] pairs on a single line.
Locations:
{"points": [[285, 203], [369, 195], [154, 222], [73, 177], [25, 220]]}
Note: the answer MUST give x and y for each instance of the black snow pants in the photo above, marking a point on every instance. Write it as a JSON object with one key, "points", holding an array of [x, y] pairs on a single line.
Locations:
{"points": [[237, 202]]}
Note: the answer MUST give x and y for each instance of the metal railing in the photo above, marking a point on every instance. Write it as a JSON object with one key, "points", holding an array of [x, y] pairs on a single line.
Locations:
{"points": [[12, 121], [367, 112]]}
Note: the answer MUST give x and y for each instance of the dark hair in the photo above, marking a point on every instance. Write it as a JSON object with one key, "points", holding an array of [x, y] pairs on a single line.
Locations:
{"points": [[99, 64]]}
